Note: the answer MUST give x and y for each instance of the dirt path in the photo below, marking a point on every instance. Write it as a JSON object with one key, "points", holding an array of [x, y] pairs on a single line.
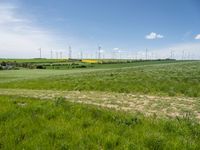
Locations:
{"points": [[146, 104]]}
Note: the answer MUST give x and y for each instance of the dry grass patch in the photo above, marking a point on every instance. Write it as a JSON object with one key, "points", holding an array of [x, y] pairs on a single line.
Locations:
{"points": [[148, 105]]}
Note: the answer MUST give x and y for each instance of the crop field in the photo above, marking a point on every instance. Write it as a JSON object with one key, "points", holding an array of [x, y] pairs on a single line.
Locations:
{"points": [[36, 60], [172, 79], [124, 105]]}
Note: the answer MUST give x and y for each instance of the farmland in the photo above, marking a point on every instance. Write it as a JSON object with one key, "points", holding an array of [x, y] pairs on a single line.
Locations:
{"points": [[172, 79], [118, 105]]}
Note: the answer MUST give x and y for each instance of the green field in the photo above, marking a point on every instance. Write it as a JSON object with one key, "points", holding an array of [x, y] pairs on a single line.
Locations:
{"points": [[28, 123], [67, 64], [135, 105], [36, 60], [173, 79]]}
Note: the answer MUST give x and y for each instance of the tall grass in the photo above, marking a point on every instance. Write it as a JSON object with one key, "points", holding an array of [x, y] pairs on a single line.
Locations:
{"points": [[34, 124]]}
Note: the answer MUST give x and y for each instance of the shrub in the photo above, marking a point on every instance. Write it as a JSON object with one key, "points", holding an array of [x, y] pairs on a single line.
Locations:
{"points": [[3, 63], [40, 67]]}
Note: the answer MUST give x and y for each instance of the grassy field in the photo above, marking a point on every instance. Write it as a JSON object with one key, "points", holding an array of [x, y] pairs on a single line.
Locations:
{"points": [[36, 60], [68, 64], [28, 123], [138, 105], [172, 79]]}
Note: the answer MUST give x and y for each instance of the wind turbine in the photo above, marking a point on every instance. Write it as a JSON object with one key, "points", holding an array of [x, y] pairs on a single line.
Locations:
{"points": [[40, 51], [70, 52]]}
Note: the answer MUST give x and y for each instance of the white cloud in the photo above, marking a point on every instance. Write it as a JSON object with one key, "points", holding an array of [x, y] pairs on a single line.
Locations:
{"points": [[20, 37], [153, 36], [197, 37], [7, 14]]}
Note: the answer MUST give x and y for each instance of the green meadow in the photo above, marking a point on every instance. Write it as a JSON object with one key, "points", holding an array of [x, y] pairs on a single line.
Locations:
{"points": [[120, 105], [28, 123], [172, 79]]}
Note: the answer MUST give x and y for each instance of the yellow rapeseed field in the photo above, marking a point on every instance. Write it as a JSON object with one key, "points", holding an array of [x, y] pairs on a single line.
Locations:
{"points": [[92, 61]]}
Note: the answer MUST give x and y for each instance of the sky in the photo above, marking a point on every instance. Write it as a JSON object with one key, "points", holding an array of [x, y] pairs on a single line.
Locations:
{"points": [[122, 28]]}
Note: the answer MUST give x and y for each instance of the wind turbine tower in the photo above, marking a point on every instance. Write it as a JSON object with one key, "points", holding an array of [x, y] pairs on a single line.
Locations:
{"points": [[70, 52], [40, 51], [51, 54], [99, 52], [60, 55], [146, 54], [172, 54], [81, 54]]}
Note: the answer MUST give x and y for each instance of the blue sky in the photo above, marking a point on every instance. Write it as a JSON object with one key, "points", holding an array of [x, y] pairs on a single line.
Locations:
{"points": [[123, 26]]}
